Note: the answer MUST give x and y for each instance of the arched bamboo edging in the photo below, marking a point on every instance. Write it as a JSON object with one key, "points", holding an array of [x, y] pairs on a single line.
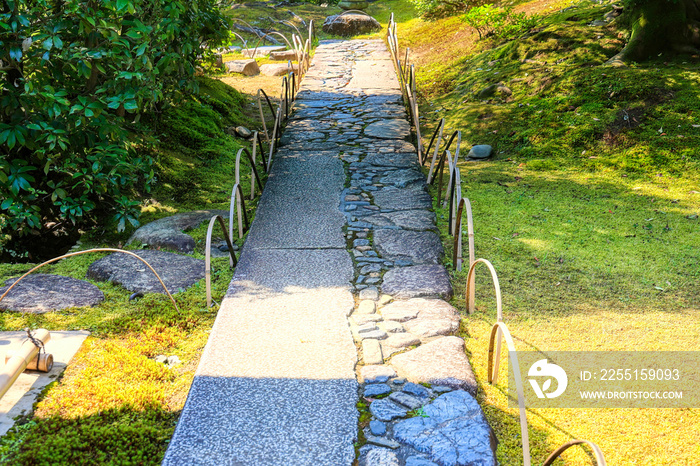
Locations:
{"points": [[90, 251], [457, 258], [237, 203], [496, 286], [255, 177], [500, 330], [207, 253], [262, 116], [436, 139]]}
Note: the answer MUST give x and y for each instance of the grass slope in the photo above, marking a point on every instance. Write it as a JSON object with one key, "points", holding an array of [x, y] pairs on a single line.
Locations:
{"points": [[588, 211]]}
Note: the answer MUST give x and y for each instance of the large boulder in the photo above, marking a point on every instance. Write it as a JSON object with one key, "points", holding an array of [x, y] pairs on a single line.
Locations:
{"points": [[168, 231], [278, 69], [244, 67], [350, 24]]}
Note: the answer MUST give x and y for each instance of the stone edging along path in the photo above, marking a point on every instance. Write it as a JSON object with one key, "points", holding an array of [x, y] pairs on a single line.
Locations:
{"points": [[295, 345]]}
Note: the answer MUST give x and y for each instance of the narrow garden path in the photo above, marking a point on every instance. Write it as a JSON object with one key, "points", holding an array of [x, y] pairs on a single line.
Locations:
{"points": [[344, 216]]}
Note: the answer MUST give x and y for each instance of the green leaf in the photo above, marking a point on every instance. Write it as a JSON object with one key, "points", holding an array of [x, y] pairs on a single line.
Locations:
{"points": [[57, 42]]}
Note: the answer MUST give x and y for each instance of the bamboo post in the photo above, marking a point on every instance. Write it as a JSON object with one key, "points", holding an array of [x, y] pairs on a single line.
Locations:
{"points": [[22, 358]]}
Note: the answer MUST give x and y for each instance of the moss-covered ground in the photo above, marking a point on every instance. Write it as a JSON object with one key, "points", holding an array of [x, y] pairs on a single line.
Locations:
{"points": [[588, 210]]}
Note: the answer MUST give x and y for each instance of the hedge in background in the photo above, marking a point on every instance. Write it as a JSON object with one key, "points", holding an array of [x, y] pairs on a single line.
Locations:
{"points": [[75, 77]]}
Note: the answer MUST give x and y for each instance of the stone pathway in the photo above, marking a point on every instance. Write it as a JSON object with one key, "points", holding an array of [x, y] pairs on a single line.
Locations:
{"points": [[343, 227]]}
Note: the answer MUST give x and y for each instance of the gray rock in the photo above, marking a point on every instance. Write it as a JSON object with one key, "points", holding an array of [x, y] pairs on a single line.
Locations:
{"points": [[262, 51], [244, 67], [243, 132], [39, 293], [278, 69], [402, 199], [383, 442], [454, 432], [372, 351], [418, 247], [369, 293], [377, 334], [377, 427], [284, 55], [173, 361], [419, 461], [430, 281], [386, 410], [493, 89], [376, 374], [350, 25], [419, 391], [481, 151], [404, 399], [441, 389], [404, 178], [366, 306], [431, 317], [161, 358], [168, 232], [407, 160], [177, 272], [398, 342], [598, 23], [389, 129], [376, 389], [441, 362], [361, 319]]}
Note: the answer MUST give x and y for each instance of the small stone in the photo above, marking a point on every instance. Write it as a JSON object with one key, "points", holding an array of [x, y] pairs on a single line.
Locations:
{"points": [[376, 389], [243, 132], [161, 358], [386, 410], [385, 299], [367, 269], [383, 442], [398, 381], [361, 319], [376, 374], [369, 293], [360, 242], [381, 457], [481, 151], [376, 334], [372, 351], [377, 427], [406, 400], [401, 341], [173, 361], [441, 389], [416, 390], [367, 327]]}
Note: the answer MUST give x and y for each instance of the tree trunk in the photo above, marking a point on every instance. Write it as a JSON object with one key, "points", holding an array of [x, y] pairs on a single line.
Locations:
{"points": [[662, 26]]}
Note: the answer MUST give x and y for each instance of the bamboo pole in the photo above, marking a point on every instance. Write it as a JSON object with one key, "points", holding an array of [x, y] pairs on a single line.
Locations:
{"points": [[19, 362]]}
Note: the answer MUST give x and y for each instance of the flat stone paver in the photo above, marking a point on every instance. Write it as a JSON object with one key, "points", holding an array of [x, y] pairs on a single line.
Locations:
{"points": [[177, 272], [39, 293]]}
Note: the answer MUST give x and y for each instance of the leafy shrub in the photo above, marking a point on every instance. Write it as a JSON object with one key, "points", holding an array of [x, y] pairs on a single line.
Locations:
{"points": [[75, 77], [489, 20]]}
